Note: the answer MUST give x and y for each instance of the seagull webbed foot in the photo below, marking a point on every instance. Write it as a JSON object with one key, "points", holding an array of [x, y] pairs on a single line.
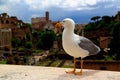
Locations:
{"points": [[70, 72], [78, 73]]}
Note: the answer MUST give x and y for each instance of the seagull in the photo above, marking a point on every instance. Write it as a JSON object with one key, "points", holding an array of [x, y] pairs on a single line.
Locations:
{"points": [[75, 45]]}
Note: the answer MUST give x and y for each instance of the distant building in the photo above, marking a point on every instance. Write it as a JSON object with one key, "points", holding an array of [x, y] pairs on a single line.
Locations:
{"points": [[79, 29], [104, 41], [9, 22], [42, 23], [5, 37], [17, 28]]}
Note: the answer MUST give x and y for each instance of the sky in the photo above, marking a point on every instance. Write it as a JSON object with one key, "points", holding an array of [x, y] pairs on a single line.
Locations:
{"points": [[81, 11]]}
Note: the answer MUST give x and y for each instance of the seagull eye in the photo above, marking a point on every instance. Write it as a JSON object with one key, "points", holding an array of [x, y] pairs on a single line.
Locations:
{"points": [[63, 21]]}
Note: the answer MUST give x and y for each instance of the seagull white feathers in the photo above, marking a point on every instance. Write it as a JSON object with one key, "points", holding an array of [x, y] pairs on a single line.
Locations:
{"points": [[75, 45]]}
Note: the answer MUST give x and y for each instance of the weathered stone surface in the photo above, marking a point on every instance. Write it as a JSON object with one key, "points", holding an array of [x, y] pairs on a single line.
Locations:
{"points": [[15, 72]]}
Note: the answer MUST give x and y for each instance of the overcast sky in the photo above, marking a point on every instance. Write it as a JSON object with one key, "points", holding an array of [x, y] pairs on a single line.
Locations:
{"points": [[79, 10]]}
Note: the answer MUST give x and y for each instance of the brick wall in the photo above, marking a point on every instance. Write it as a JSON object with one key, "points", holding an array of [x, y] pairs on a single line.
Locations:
{"points": [[101, 65]]}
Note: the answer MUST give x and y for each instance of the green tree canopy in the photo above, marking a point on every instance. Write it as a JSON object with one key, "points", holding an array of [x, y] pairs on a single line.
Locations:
{"points": [[115, 42], [95, 18], [46, 39]]}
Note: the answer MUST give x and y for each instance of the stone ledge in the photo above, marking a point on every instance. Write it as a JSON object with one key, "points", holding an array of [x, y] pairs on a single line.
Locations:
{"points": [[18, 72]]}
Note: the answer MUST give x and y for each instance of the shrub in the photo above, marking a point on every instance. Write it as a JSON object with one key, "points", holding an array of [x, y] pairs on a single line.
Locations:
{"points": [[28, 45]]}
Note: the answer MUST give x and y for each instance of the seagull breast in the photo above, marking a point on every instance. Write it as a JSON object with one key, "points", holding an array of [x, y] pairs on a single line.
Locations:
{"points": [[71, 46]]}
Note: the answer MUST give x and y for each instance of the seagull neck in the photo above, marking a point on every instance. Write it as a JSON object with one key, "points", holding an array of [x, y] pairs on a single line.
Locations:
{"points": [[68, 31]]}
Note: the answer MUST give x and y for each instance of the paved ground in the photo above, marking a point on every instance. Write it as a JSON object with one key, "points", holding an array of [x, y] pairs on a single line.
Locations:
{"points": [[13, 72]]}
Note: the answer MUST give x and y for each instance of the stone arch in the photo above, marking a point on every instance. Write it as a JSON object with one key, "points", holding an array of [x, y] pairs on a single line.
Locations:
{"points": [[2, 22], [7, 22], [12, 22]]}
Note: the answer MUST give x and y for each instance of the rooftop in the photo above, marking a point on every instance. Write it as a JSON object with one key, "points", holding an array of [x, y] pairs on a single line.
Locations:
{"points": [[19, 72]]}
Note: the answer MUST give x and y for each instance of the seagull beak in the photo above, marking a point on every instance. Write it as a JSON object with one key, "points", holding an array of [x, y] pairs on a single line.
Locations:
{"points": [[58, 24]]}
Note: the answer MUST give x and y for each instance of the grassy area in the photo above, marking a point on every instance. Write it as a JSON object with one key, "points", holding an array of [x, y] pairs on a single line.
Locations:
{"points": [[3, 62], [44, 63], [55, 63], [66, 66]]}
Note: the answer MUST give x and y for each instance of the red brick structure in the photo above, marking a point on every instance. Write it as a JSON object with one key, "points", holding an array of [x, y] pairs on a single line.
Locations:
{"points": [[104, 41], [101, 35], [13, 28], [17, 26], [42, 23], [101, 65]]}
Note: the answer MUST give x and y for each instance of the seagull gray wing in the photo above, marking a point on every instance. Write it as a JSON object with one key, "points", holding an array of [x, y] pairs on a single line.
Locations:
{"points": [[88, 45]]}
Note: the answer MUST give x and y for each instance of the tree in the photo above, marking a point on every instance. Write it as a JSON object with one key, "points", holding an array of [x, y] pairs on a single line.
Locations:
{"points": [[28, 37], [95, 18], [107, 19], [46, 39], [115, 42], [23, 42], [28, 45], [59, 40], [36, 39], [90, 26], [15, 42]]}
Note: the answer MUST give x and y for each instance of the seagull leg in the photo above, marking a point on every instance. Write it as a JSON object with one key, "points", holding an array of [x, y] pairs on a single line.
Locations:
{"points": [[80, 73], [72, 72]]}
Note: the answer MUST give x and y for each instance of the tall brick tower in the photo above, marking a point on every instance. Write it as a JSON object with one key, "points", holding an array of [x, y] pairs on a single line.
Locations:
{"points": [[47, 16]]}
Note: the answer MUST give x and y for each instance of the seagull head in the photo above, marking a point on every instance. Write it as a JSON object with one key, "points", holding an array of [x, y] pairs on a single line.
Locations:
{"points": [[68, 23]]}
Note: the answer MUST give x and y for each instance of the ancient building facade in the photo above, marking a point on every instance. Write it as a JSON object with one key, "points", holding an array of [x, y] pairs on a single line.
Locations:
{"points": [[11, 23], [42, 23], [5, 37]]}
